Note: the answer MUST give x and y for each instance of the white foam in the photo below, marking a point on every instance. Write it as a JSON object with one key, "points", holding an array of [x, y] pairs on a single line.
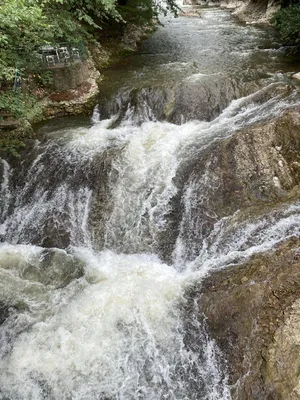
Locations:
{"points": [[119, 336]]}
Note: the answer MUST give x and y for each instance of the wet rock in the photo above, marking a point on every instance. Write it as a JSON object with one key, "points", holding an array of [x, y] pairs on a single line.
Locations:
{"points": [[190, 13], [253, 313], [4, 312], [74, 101], [250, 11], [204, 99], [296, 76], [201, 97], [283, 358], [140, 104], [134, 34], [255, 167], [101, 177]]}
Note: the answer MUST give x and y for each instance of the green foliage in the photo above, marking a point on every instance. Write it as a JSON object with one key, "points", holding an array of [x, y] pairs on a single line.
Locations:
{"points": [[10, 103], [23, 27], [137, 11], [287, 21], [16, 105], [142, 11], [27, 25], [45, 78], [11, 146], [89, 12]]}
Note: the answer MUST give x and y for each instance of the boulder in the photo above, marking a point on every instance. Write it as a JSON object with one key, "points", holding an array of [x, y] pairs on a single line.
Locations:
{"points": [[296, 76], [253, 313]]}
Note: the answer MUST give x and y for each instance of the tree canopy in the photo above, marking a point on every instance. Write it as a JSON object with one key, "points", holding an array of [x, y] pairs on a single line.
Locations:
{"points": [[287, 21], [23, 27]]}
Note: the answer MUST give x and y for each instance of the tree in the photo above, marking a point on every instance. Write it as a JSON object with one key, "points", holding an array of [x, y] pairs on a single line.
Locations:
{"points": [[143, 10], [287, 21], [23, 27]]}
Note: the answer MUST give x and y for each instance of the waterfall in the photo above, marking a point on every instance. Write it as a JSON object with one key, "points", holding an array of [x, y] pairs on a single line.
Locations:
{"points": [[96, 115], [104, 227]]}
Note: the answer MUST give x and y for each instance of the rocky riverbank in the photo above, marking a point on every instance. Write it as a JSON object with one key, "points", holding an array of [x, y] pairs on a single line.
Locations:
{"points": [[252, 309], [81, 95], [81, 98], [250, 11], [75, 87], [253, 11]]}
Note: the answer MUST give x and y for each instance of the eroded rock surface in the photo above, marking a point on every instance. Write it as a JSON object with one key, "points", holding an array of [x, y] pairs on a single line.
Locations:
{"points": [[252, 11], [257, 167], [253, 313], [260, 163], [252, 308], [283, 360]]}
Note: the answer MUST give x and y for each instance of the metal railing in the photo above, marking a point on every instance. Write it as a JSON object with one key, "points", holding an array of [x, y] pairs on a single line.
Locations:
{"points": [[61, 54]]}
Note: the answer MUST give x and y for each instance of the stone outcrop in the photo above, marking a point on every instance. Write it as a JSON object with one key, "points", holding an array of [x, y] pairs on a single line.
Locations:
{"points": [[134, 34], [75, 87], [79, 98], [251, 11], [253, 313], [257, 11], [260, 163], [297, 76], [253, 310], [253, 170], [283, 358], [73, 75]]}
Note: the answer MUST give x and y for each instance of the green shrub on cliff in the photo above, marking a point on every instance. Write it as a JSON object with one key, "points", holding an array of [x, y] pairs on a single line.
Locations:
{"points": [[11, 146], [287, 21]]}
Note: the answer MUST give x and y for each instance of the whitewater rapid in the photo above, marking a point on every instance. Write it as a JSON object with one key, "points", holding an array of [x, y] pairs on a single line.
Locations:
{"points": [[101, 239]]}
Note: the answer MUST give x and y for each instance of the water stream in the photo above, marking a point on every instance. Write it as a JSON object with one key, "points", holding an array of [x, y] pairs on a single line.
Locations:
{"points": [[104, 223]]}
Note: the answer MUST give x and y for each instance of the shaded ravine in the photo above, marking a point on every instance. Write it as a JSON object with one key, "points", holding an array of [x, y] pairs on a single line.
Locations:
{"points": [[104, 225]]}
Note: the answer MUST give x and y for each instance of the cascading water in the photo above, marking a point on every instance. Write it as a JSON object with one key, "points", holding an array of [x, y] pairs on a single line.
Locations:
{"points": [[104, 226]]}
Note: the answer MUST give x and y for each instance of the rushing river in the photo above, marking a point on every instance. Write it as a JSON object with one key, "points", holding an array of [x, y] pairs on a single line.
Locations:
{"points": [[105, 223]]}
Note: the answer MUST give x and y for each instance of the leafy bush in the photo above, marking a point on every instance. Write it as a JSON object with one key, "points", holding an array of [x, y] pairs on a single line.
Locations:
{"points": [[143, 11], [11, 146], [287, 21], [23, 27], [16, 105]]}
